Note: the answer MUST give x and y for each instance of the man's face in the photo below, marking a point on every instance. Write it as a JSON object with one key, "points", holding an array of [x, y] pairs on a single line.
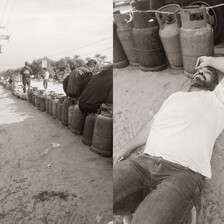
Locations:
{"points": [[203, 77], [207, 74]]}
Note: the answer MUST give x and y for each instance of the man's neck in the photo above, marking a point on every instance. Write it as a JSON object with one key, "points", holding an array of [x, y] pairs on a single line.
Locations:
{"points": [[196, 89]]}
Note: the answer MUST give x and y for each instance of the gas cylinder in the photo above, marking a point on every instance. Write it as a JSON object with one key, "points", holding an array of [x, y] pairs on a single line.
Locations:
{"points": [[119, 58], [24, 96], [19, 95], [55, 108], [196, 37], [53, 97], [40, 93], [43, 102], [78, 121], [88, 129], [29, 95], [33, 95], [124, 33], [148, 46], [60, 105], [102, 141], [47, 101], [154, 4], [70, 113], [170, 34], [36, 99], [67, 102]]}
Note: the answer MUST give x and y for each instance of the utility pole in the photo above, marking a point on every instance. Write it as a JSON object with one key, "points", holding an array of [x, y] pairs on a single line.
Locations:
{"points": [[4, 37]]}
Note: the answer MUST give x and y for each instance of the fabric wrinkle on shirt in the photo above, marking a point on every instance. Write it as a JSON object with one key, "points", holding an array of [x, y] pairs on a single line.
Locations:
{"points": [[186, 127]]}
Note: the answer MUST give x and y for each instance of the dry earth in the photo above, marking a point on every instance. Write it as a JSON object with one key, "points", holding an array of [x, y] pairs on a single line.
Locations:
{"points": [[46, 174]]}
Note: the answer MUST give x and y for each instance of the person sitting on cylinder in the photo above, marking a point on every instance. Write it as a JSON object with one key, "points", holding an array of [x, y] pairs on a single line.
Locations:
{"points": [[98, 90], [74, 83], [162, 185]]}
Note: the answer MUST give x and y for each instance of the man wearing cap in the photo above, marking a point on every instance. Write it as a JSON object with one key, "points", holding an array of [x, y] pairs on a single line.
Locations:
{"points": [[26, 73], [162, 185]]}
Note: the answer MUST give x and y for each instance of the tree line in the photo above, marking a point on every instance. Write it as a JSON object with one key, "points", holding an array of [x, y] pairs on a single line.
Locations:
{"points": [[58, 69]]}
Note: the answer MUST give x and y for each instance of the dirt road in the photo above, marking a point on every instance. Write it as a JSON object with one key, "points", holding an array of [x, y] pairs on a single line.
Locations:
{"points": [[46, 174]]}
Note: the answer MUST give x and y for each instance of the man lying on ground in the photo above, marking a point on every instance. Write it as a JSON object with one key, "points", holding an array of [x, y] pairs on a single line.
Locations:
{"points": [[162, 185]]}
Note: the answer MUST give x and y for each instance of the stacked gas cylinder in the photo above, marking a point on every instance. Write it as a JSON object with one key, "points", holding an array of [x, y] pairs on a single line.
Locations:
{"points": [[168, 35], [97, 129]]}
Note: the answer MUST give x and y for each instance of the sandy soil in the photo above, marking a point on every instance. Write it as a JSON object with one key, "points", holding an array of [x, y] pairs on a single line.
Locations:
{"points": [[46, 174], [138, 95]]}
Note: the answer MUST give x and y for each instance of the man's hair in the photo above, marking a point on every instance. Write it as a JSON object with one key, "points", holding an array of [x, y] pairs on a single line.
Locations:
{"points": [[91, 62], [215, 80], [26, 63]]}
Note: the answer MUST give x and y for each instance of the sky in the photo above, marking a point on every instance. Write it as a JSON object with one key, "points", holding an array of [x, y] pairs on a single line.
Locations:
{"points": [[54, 28]]}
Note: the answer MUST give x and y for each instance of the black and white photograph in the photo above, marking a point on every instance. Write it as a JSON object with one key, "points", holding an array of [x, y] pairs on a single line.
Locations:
{"points": [[56, 111], [111, 112]]}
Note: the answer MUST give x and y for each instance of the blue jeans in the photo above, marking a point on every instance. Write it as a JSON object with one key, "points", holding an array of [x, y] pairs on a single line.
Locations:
{"points": [[155, 190]]}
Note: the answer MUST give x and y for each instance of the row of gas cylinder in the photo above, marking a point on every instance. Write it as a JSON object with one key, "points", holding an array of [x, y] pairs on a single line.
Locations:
{"points": [[6, 84], [97, 129], [171, 34]]}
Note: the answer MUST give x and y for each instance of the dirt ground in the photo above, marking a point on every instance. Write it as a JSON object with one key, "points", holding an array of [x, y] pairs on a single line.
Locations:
{"points": [[46, 174], [137, 96]]}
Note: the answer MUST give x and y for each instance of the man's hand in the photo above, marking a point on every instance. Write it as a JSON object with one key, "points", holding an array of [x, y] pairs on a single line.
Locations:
{"points": [[120, 155], [203, 62]]}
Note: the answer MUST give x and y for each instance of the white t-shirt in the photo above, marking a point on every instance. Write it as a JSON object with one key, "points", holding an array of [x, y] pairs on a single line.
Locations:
{"points": [[186, 127], [46, 75]]}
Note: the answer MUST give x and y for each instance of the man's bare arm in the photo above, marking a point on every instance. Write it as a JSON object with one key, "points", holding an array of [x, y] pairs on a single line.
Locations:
{"points": [[138, 140], [214, 62]]}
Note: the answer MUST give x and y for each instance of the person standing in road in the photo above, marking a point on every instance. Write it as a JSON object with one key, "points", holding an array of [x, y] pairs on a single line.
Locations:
{"points": [[46, 78], [26, 73]]}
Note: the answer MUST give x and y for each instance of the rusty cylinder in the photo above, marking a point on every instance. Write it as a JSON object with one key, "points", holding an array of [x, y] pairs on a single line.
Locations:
{"points": [[55, 108], [29, 95], [196, 37], [60, 105], [33, 96], [40, 93], [88, 129], [124, 33], [43, 102], [119, 58], [170, 34], [148, 46], [78, 121], [102, 141], [70, 113], [67, 102], [47, 102]]}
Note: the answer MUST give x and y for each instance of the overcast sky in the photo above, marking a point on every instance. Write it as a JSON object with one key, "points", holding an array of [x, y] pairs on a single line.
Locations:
{"points": [[54, 28]]}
